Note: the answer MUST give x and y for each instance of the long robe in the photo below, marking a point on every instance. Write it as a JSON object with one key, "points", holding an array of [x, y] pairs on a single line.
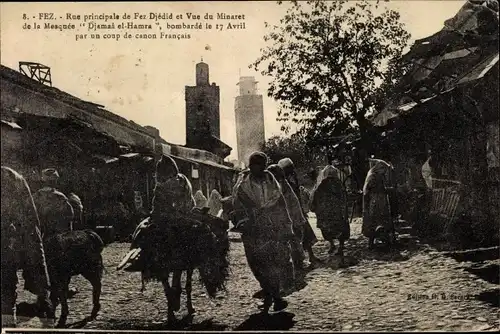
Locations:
{"points": [[329, 202], [376, 204], [309, 237], [267, 232], [22, 245], [298, 222]]}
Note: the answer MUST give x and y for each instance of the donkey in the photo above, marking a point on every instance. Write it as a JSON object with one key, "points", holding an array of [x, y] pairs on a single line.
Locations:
{"points": [[69, 254], [189, 241]]}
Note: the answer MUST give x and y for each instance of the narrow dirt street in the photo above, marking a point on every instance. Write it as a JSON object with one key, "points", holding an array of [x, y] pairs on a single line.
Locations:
{"points": [[413, 289]]}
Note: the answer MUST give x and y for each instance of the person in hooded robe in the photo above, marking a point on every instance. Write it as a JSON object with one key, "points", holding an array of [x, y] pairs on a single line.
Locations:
{"points": [[329, 202], [54, 209], [215, 204], [266, 229], [200, 201], [295, 213], [427, 173], [376, 203], [22, 246], [172, 191], [162, 202], [309, 237]]}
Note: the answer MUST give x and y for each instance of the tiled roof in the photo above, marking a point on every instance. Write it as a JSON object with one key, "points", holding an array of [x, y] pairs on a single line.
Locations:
{"points": [[464, 50], [480, 69], [12, 75]]}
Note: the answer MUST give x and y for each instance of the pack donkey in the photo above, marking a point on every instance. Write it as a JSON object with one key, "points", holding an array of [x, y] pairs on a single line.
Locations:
{"points": [[188, 241]]}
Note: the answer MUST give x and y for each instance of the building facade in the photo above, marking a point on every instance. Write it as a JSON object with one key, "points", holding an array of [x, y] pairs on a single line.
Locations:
{"points": [[100, 156], [249, 110], [443, 122]]}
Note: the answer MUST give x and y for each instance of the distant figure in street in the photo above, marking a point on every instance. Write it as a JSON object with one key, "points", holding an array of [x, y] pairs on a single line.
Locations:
{"points": [[215, 204], [139, 205], [329, 202], [309, 237], [139, 211], [22, 246], [427, 173], [119, 214], [295, 213], [376, 205], [267, 231], [313, 176], [305, 198], [228, 210], [200, 201]]}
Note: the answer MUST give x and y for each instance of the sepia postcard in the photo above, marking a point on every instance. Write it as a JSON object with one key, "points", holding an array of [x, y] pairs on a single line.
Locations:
{"points": [[317, 165]]}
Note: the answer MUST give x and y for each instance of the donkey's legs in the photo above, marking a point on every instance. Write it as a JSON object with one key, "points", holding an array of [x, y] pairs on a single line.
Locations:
{"points": [[176, 290], [168, 293], [94, 277], [63, 297], [189, 286]]}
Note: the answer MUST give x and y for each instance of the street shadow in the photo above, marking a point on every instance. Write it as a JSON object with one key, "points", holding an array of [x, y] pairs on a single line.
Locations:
{"points": [[27, 310], [491, 297], [262, 321], [184, 324], [489, 273], [358, 249], [79, 324], [333, 262]]}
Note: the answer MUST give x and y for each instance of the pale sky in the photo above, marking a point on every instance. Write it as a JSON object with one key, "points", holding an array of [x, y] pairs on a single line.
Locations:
{"points": [[144, 80]]}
